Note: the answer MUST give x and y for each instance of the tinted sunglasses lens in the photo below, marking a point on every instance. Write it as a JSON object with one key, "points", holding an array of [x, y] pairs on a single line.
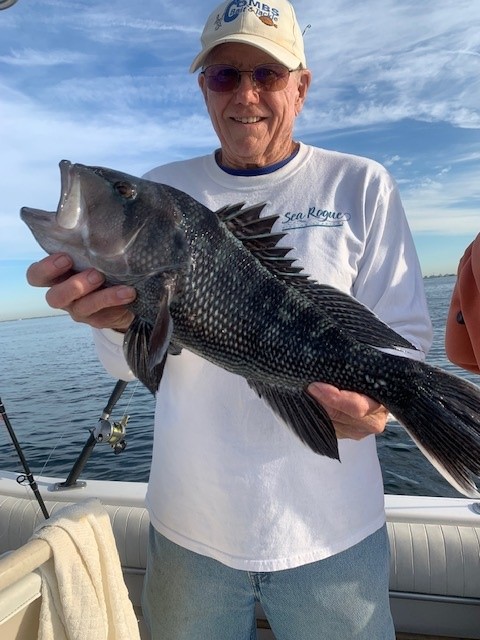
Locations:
{"points": [[221, 78], [266, 77], [271, 77]]}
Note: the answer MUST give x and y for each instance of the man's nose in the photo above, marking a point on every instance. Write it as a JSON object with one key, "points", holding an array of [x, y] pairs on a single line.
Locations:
{"points": [[247, 89]]}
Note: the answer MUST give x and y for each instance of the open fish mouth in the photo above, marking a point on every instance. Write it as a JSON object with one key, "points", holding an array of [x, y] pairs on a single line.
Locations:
{"points": [[71, 206]]}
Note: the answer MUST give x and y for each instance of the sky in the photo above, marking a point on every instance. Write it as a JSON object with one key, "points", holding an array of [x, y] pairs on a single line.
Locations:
{"points": [[106, 82]]}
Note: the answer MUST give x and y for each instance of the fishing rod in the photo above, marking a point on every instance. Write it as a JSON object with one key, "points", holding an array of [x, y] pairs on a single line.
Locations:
{"points": [[28, 474], [105, 431]]}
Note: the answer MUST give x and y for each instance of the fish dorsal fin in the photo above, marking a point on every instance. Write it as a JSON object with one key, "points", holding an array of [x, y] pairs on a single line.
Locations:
{"points": [[256, 235], [353, 316], [245, 222]]}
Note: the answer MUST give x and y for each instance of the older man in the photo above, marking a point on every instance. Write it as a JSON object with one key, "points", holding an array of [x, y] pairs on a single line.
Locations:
{"points": [[241, 510]]}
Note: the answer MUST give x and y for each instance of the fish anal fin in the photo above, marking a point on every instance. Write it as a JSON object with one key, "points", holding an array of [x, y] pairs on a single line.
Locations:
{"points": [[307, 419]]}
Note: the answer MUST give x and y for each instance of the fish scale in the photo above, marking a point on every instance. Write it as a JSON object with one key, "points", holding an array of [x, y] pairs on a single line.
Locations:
{"points": [[218, 284]]}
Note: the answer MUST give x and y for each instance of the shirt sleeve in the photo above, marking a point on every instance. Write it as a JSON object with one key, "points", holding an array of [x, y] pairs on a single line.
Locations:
{"points": [[462, 337], [109, 346], [389, 279]]}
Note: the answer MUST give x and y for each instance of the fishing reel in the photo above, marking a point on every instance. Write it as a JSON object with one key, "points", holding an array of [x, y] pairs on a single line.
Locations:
{"points": [[106, 431], [111, 432]]}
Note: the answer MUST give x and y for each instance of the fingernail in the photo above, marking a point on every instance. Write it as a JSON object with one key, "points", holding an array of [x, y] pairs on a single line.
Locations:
{"points": [[62, 261], [126, 293], [94, 277]]}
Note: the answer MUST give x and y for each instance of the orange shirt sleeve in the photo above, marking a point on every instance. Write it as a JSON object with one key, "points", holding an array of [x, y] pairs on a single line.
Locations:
{"points": [[462, 339]]}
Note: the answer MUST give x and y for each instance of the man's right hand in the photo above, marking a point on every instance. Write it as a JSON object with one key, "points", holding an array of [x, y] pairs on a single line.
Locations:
{"points": [[81, 294]]}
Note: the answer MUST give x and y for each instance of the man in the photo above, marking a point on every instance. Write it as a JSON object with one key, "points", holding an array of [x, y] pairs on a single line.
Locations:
{"points": [[462, 338], [241, 510]]}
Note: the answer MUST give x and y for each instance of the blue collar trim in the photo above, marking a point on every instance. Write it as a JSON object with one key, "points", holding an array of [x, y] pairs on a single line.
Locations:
{"points": [[260, 171]]}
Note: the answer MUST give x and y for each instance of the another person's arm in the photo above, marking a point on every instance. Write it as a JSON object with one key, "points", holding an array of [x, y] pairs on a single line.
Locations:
{"points": [[462, 338]]}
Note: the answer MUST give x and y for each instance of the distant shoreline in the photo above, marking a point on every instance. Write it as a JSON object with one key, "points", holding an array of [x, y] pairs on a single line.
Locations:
{"points": [[48, 315], [440, 275]]}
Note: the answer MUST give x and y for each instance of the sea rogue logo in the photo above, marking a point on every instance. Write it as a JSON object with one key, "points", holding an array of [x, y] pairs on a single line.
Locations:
{"points": [[268, 15], [314, 217]]}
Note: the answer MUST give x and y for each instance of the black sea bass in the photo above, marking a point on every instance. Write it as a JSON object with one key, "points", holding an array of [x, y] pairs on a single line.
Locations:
{"points": [[217, 284]]}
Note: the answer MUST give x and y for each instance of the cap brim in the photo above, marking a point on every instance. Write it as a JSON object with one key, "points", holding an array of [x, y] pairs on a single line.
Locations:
{"points": [[272, 49]]}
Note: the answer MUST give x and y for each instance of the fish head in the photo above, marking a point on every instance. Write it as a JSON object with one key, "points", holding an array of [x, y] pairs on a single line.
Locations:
{"points": [[126, 227]]}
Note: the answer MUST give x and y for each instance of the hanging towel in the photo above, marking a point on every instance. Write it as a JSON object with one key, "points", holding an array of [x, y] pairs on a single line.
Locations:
{"points": [[84, 596], [462, 340]]}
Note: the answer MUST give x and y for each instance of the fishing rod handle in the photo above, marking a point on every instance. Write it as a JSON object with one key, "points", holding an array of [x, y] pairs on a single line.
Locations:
{"points": [[114, 397]]}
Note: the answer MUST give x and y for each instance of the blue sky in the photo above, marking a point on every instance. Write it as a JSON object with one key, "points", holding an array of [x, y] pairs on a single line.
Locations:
{"points": [[106, 82]]}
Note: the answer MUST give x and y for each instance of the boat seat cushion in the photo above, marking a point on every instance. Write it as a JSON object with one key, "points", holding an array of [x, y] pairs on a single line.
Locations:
{"points": [[437, 559]]}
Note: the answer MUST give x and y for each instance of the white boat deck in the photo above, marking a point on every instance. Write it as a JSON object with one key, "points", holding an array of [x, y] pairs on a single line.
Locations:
{"points": [[435, 562]]}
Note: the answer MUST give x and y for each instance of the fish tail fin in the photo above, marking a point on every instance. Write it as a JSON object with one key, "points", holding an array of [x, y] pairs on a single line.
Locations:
{"points": [[443, 419]]}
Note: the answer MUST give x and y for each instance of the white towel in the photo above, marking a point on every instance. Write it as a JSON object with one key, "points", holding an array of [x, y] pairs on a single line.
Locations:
{"points": [[84, 596]]}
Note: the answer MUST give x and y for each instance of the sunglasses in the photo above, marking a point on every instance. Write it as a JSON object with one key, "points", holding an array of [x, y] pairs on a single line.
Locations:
{"points": [[223, 78]]}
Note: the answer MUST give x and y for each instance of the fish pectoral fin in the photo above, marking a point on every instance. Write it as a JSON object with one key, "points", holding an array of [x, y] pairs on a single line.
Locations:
{"points": [[161, 334], [146, 346], [136, 349], [307, 419]]}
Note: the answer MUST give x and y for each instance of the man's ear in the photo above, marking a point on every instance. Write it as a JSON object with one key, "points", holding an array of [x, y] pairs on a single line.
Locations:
{"points": [[304, 80], [202, 85]]}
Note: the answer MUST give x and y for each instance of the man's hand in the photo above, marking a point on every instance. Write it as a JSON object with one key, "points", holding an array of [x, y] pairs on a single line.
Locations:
{"points": [[353, 415], [81, 294]]}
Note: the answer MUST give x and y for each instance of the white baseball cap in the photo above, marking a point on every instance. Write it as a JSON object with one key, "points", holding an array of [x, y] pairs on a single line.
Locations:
{"points": [[270, 26]]}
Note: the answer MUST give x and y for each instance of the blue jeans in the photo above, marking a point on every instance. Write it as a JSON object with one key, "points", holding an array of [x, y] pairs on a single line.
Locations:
{"points": [[192, 597]]}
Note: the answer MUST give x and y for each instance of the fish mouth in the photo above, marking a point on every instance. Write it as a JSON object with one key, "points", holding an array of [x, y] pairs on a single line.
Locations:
{"points": [[71, 206], [73, 214]]}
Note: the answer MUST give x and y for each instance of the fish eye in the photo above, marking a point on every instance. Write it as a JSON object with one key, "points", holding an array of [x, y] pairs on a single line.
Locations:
{"points": [[125, 189]]}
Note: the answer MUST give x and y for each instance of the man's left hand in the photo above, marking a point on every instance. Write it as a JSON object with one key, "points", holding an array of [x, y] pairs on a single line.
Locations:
{"points": [[353, 415]]}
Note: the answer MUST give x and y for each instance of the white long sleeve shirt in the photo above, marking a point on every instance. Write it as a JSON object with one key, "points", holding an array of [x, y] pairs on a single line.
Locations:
{"points": [[228, 479]]}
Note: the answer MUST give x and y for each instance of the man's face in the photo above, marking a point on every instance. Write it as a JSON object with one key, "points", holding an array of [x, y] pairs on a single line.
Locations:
{"points": [[255, 127]]}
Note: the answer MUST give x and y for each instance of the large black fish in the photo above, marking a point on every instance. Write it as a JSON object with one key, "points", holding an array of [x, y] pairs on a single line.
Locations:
{"points": [[218, 284]]}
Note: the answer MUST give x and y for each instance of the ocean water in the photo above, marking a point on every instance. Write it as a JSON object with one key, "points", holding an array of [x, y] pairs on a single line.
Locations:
{"points": [[54, 391]]}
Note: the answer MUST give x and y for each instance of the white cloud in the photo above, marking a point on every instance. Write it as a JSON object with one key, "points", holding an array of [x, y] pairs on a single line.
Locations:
{"points": [[448, 204], [383, 60], [37, 58]]}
